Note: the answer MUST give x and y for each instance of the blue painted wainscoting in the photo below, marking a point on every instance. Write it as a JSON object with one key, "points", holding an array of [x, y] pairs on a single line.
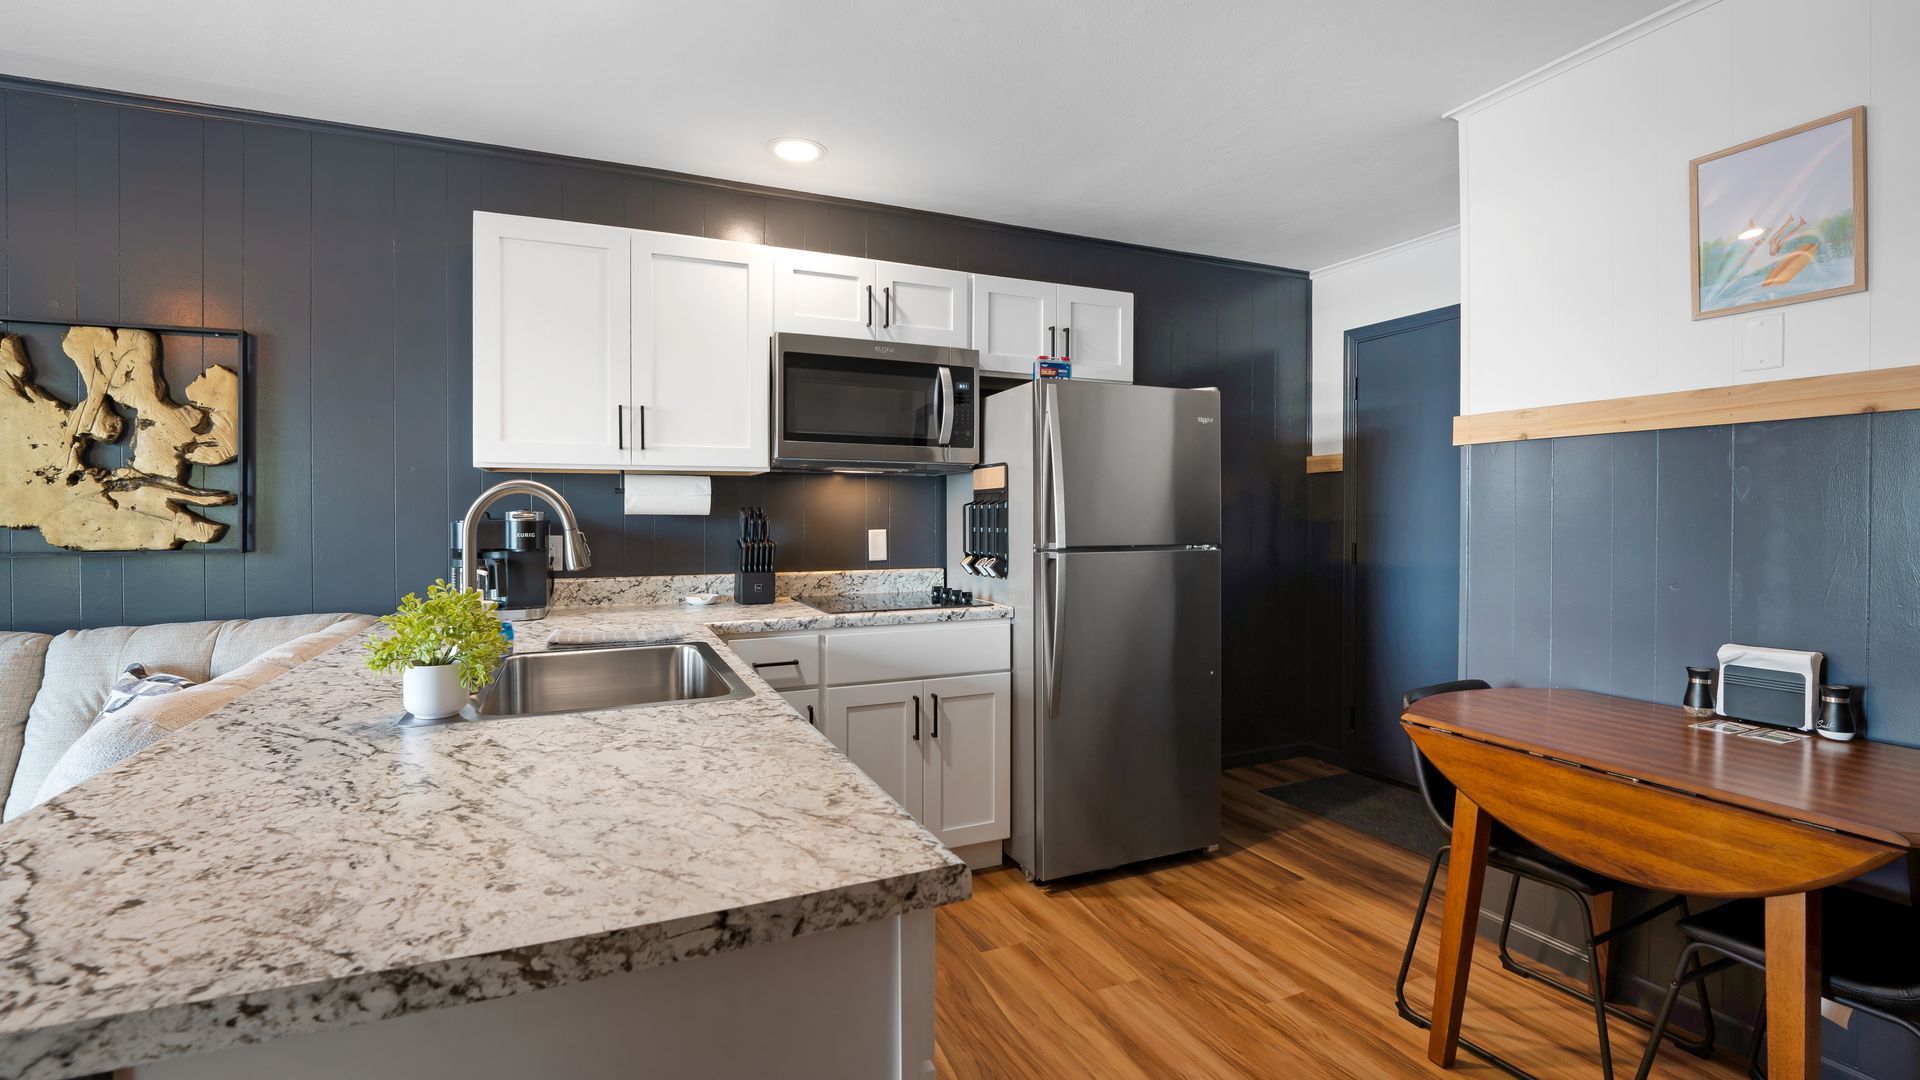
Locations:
{"points": [[1611, 562]]}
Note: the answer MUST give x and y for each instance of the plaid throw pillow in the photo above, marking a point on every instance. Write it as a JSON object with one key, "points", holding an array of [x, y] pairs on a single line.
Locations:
{"points": [[136, 683]]}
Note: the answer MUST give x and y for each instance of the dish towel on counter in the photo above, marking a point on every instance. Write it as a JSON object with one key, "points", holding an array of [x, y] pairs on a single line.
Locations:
{"points": [[586, 637]]}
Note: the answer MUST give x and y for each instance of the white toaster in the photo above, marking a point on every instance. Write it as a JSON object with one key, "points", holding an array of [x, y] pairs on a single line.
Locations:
{"points": [[1780, 687]]}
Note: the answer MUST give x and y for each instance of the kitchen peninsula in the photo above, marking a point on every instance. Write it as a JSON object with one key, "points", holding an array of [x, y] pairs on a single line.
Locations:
{"points": [[315, 886]]}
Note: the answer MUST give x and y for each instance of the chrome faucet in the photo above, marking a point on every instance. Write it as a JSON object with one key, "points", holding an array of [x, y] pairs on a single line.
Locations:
{"points": [[573, 543]]}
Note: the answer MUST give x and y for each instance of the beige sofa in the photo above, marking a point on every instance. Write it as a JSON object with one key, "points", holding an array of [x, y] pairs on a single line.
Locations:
{"points": [[52, 687]]}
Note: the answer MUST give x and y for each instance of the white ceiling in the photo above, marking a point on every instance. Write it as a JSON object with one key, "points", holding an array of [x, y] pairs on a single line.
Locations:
{"points": [[1292, 132]]}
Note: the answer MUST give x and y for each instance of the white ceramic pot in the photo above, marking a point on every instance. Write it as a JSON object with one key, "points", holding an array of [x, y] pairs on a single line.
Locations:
{"points": [[433, 693]]}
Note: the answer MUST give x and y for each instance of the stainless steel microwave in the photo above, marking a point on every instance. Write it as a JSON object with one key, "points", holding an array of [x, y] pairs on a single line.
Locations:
{"points": [[851, 405]]}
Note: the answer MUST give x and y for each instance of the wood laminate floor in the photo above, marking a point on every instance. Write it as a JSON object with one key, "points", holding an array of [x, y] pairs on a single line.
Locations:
{"points": [[1273, 957]]}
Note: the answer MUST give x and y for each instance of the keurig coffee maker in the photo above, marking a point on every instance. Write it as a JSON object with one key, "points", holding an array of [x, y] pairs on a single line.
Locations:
{"points": [[515, 568]]}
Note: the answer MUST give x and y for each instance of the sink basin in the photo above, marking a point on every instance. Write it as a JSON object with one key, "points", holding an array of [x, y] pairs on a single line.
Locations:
{"points": [[582, 680]]}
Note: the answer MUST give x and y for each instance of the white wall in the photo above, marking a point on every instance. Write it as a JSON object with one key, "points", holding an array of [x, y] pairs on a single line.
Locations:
{"points": [[1574, 200], [1405, 279]]}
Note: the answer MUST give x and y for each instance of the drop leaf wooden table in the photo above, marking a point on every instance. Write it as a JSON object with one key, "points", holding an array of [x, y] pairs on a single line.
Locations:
{"points": [[1629, 789]]}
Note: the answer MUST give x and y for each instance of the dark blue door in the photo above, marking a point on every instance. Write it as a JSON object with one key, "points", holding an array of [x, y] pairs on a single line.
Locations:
{"points": [[1402, 479]]}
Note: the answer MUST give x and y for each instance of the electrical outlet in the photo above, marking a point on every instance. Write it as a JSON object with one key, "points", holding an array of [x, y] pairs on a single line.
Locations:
{"points": [[876, 545]]}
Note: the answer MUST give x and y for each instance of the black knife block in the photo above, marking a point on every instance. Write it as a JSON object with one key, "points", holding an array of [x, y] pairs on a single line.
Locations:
{"points": [[754, 587]]}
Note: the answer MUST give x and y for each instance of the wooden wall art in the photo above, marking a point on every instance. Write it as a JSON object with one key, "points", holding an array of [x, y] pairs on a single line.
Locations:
{"points": [[48, 480]]}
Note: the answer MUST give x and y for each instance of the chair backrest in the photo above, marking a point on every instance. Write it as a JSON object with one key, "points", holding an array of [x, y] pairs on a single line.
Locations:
{"points": [[1435, 788]]}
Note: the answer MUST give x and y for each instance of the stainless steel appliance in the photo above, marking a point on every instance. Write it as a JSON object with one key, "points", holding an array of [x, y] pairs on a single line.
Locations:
{"points": [[850, 404], [1112, 497]]}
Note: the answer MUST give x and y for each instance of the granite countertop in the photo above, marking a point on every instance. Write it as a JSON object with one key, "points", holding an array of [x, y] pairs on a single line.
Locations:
{"points": [[296, 860]]}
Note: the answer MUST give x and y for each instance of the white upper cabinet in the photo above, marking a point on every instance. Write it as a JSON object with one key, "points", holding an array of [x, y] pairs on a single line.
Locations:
{"points": [[816, 293], [702, 320], [924, 306], [1096, 332], [841, 296], [552, 371], [1015, 321]]}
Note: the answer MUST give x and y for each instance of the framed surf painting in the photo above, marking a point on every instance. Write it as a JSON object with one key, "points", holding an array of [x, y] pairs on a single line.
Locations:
{"points": [[1781, 219]]}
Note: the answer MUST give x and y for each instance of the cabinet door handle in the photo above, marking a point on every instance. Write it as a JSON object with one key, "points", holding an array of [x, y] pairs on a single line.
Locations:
{"points": [[869, 307], [1052, 340], [810, 715], [886, 308], [620, 425], [1067, 333], [916, 718], [794, 664], [936, 715], [643, 427]]}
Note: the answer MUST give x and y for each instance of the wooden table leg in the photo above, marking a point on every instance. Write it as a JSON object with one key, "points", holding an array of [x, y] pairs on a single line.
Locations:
{"points": [[1602, 906], [1793, 986], [1466, 873]]}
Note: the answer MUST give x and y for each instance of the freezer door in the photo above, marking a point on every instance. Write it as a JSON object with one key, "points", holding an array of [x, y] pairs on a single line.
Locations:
{"points": [[1126, 466], [1126, 706]]}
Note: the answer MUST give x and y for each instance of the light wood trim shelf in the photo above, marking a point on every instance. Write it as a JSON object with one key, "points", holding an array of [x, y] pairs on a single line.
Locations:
{"points": [[1319, 463], [1885, 390]]}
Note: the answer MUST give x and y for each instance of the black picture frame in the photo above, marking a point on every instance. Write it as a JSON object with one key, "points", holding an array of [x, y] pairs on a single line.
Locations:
{"points": [[239, 536]]}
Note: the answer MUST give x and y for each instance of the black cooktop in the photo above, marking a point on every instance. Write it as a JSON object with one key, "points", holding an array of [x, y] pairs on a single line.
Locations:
{"points": [[853, 602]]}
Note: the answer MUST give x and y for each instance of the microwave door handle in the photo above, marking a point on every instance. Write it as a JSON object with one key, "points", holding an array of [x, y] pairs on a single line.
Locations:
{"points": [[947, 406]]}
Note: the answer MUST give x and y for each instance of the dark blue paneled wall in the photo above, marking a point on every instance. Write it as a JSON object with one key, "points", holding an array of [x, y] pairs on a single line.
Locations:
{"points": [[1610, 563], [346, 253]]}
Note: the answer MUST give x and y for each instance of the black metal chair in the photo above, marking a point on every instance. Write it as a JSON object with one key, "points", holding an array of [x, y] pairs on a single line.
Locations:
{"points": [[1521, 858], [1870, 951]]}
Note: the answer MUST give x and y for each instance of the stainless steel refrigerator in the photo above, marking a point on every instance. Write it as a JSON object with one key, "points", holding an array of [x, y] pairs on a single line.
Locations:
{"points": [[1113, 520]]}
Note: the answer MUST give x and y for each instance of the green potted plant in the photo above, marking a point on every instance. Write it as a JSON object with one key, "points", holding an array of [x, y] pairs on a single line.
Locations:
{"points": [[446, 646]]}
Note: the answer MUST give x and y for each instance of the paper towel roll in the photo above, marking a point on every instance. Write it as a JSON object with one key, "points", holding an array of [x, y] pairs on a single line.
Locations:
{"points": [[651, 494]]}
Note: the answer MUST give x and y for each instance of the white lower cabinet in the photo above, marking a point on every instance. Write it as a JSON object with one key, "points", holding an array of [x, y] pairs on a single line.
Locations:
{"points": [[879, 727], [925, 710], [939, 746], [806, 703], [964, 797]]}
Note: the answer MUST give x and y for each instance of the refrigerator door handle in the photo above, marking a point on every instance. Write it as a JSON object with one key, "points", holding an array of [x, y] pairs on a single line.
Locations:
{"points": [[1050, 510], [1055, 590], [947, 406]]}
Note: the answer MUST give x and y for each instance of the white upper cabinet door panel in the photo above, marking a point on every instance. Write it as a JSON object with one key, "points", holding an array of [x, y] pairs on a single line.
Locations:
{"points": [[815, 293], [551, 352], [1011, 319], [924, 306], [1096, 332], [702, 322]]}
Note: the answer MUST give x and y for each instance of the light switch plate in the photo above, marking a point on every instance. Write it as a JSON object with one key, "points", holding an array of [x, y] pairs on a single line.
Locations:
{"points": [[876, 545], [1760, 341]]}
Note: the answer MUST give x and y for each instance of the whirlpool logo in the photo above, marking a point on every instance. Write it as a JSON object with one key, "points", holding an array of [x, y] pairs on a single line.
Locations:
{"points": [[1204, 419]]}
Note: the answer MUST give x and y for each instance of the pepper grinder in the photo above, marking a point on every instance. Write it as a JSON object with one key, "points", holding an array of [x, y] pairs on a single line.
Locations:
{"points": [[1839, 713], [1699, 700]]}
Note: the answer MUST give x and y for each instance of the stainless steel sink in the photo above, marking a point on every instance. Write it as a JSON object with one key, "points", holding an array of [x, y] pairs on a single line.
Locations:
{"points": [[583, 680]]}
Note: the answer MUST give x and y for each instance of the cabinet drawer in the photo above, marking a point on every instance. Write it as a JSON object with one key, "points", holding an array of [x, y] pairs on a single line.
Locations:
{"points": [[786, 661], [886, 653]]}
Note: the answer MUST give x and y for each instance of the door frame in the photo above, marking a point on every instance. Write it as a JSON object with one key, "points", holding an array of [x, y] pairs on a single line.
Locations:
{"points": [[1350, 506]]}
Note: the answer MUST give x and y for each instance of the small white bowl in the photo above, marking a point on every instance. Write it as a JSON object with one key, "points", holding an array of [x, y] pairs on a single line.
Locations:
{"points": [[702, 599]]}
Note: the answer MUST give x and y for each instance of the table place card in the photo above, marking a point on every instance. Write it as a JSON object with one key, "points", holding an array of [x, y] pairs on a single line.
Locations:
{"points": [[1776, 736], [1724, 727]]}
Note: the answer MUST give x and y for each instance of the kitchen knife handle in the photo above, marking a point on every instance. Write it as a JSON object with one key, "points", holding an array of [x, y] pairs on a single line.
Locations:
{"points": [[916, 718]]}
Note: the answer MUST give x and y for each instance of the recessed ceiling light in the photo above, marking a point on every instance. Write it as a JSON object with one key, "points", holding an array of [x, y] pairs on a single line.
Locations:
{"points": [[798, 151]]}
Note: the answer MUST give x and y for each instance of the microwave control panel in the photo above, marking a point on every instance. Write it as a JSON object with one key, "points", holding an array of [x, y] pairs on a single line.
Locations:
{"points": [[963, 411]]}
